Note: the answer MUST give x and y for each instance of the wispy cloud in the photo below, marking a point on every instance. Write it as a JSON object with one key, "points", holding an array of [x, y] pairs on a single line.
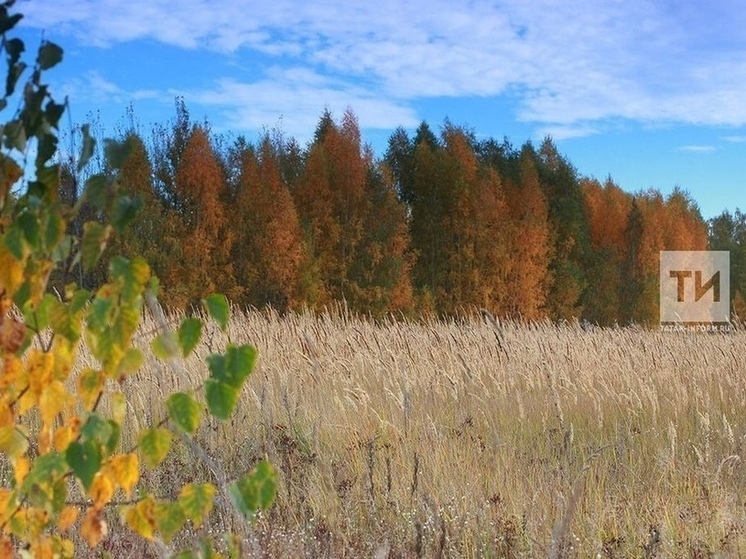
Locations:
{"points": [[697, 149], [252, 106], [573, 65]]}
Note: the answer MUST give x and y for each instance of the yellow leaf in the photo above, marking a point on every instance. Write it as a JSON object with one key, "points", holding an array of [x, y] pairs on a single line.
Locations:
{"points": [[12, 371], [67, 518], [125, 470], [42, 548], [65, 358], [102, 490], [36, 521], [40, 366], [140, 517], [7, 418], [27, 401], [65, 434], [20, 469], [45, 439], [7, 506], [93, 528], [11, 272], [52, 401]]}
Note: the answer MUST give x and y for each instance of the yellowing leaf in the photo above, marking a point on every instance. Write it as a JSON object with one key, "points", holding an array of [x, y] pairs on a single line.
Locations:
{"points": [[140, 517], [67, 518], [102, 490], [170, 518], [118, 407], [196, 501], [52, 401], [10, 172], [93, 528], [125, 471], [36, 521], [90, 383], [154, 445], [12, 441], [21, 468]]}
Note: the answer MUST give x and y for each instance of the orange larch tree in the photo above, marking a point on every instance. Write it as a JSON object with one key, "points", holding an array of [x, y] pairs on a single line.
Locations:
{"points": [[531, 243], [267, 252], [200, 187]]}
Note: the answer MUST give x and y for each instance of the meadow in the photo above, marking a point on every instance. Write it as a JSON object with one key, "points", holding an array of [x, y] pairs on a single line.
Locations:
{"points": [[470, 438]]}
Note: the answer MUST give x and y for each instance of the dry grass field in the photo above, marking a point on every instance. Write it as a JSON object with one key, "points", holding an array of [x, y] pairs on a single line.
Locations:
{"points": [[473, 439]]}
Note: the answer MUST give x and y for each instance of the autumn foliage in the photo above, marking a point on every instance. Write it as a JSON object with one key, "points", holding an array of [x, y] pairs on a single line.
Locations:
{"points": [[442, 224]]}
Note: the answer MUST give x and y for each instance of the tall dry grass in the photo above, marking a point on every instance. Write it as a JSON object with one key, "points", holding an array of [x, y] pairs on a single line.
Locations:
{"points": [[472, 438]]}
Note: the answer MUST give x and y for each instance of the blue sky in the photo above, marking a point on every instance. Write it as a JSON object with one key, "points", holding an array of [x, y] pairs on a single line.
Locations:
{"points": [[652, 93]]}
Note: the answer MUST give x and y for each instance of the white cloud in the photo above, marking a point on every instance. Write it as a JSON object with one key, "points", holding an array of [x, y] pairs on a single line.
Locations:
{"points": [[697, 149], [575, 65], [253, 106]]}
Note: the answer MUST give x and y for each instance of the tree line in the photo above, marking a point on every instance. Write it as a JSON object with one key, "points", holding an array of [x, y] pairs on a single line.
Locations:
{"points": [[443, 224]]}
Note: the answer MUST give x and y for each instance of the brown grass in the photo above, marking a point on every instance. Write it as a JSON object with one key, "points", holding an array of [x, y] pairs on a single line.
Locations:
{"points": [[472, 439]]}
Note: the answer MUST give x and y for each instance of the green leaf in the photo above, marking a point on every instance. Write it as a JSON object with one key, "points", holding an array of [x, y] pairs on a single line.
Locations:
{"points": [[217, 307], [54, 230], [154, 445], [14, 241], [184, 411], [9, 22], [221, 398], [255, 491], [102, 431], [49, 55], [116, 153], [190, 332], [95, 236], [85, 460], [15, 135], [169, 518], [53, 113], [47, 468], [95, 191], [196, 501], [89, 145], [29, 224], [125, 209], [14, 47], [233, 367], [46, 148]]}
